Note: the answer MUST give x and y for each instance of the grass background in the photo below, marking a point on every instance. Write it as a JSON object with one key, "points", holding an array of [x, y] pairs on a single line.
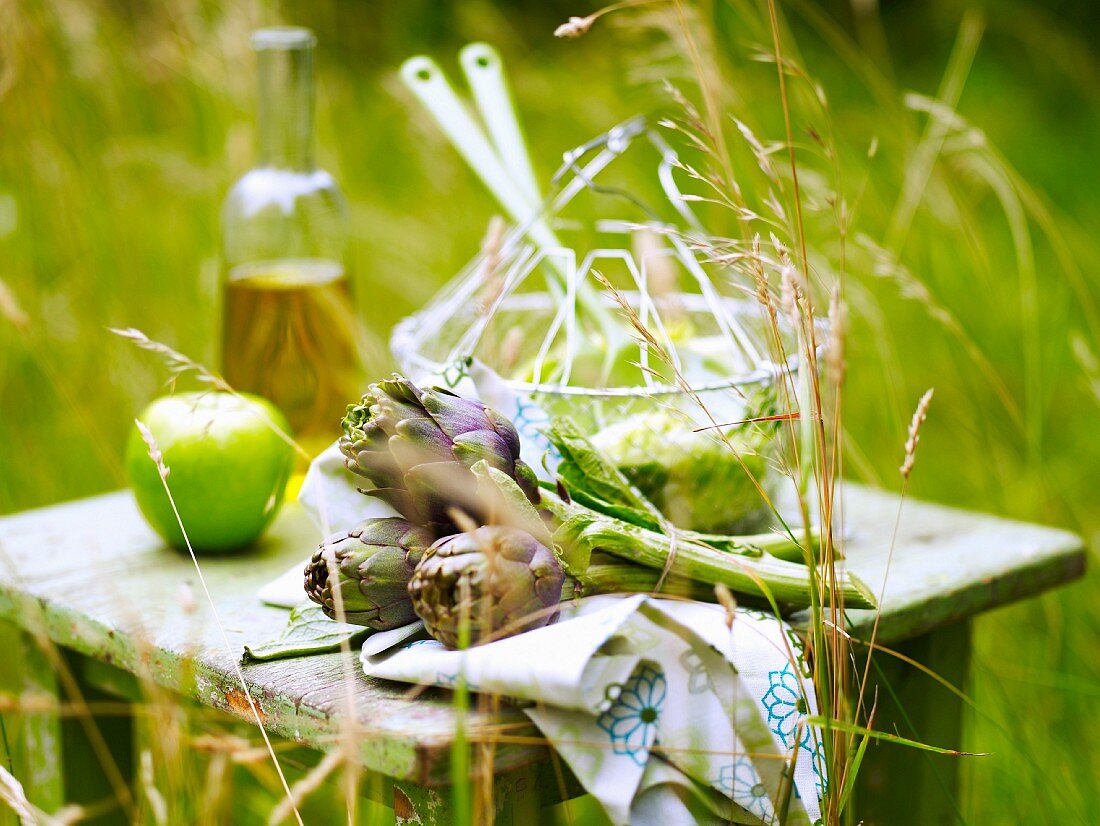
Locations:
{"points": [[122, 125]]}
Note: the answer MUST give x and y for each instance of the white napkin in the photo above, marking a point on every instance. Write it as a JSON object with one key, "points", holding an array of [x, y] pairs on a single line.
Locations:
{"points": [[286, 590], [638, 696], [330, 498]]}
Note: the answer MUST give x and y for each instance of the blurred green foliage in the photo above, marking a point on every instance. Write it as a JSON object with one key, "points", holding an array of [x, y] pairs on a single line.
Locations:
{"points": [[122, 124]]}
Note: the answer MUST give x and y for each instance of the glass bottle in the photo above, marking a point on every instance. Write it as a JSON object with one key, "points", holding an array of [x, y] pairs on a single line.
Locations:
{"points": [[289, 330]]}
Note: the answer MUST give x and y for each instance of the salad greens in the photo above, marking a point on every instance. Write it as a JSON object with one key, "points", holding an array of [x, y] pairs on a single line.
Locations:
{"points": [[704, 481]]}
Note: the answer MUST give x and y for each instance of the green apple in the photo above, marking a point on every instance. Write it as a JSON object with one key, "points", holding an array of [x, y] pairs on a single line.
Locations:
{"points": [[227, 468]]}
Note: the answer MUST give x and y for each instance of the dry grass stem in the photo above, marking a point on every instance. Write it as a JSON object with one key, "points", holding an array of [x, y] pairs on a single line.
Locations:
{"points": [[511, 349], [157, 805], [13, 796], [492, 283], [178, 365], [462, 520], [790, 296], [575, 26], [777, 417], [726, 600], [838, 324], [306, 786]]}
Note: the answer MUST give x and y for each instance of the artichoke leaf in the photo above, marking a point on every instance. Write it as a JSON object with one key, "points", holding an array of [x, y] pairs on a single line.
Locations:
{"points": [[308, 631], [642, 519], [584, 468], [575, 556], [501, 494]]}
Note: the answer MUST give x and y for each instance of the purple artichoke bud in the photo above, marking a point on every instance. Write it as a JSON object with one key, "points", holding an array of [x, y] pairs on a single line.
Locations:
{"points": [[501, 578], [417, 447], [373, 564]]}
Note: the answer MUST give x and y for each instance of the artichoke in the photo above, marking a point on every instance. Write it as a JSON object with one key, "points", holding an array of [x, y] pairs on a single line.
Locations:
{"points": [[417, 447], [373, 564], [501, 578]]}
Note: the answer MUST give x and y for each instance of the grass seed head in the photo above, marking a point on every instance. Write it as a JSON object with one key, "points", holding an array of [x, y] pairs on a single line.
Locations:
{"points": [[919, 415], [575, 27]]}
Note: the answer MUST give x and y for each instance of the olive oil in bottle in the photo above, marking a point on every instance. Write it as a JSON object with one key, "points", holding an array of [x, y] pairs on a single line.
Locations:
{"points": [[290, 334], [289, 329]]}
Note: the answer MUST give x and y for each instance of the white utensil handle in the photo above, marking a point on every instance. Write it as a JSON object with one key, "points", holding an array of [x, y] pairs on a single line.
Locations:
{"points": [[427, 81], [485, 74], [430, 85]]}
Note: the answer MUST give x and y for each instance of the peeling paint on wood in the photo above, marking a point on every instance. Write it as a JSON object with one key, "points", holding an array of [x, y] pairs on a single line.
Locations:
{"points": [[237, 700], [403, 810]]}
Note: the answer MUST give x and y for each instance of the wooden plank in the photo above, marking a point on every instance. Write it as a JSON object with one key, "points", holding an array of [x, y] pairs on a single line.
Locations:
{"points": [[101, 583], [947, 564], [515, 801]]}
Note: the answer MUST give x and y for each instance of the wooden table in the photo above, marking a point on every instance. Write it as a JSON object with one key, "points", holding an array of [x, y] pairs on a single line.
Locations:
{"points": [[91, 577]]}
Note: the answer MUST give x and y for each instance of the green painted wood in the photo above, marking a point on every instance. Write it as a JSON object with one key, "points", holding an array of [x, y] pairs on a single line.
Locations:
{"points": [[419, 805], [516, 800], [897, 785], [518, 796], [107, 678], [95, 747], [535, 787], [93, 577], [32, 745]]}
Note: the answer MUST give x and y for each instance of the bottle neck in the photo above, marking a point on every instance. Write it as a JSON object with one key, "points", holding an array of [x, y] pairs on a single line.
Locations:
{"points": [[285, 112]]}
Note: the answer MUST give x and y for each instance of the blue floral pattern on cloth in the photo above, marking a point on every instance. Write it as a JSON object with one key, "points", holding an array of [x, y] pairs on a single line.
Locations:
{"points": [[813, 749], [631, 722], [529, 420], [444, 679], [741, 783], [785, 703]]}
